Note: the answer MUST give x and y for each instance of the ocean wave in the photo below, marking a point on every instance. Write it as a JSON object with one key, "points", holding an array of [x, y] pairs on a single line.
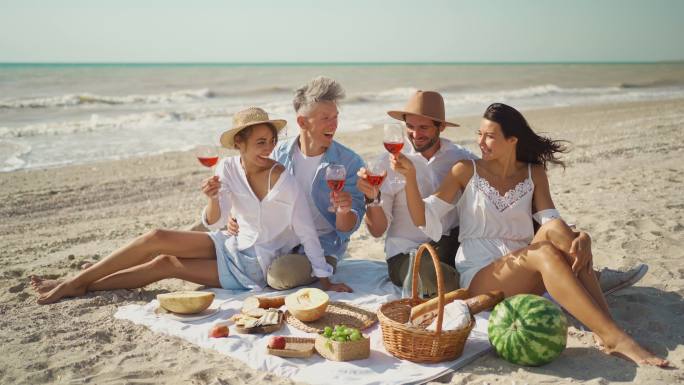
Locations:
{"points": [[71, 100], [392, 94], [97, 122], [651, 84], [11, 155], [402, 94], [539, 91]]}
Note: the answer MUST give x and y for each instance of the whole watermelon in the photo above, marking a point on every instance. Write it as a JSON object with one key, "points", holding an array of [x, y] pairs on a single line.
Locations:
{"points": [[527, 329]]}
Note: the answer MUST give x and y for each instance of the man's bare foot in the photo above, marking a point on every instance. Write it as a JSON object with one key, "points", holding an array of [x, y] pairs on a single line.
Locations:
{"points": [[42, 285], [64, 289], [629, 349]]}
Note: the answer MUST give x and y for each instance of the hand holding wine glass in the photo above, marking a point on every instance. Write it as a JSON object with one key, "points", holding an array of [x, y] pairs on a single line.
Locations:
{"points": [[335, 176], [208, 157], [393, 141], [375, 175], [211, 186]]}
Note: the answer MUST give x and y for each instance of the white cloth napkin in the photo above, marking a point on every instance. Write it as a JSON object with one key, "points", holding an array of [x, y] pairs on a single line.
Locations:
{"points": [[456, 316]]}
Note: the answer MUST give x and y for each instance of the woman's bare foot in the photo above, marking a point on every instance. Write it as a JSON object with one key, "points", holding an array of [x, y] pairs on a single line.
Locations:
{"points": [[64, 289], [42, 285], [629, 349], [598, 342]]}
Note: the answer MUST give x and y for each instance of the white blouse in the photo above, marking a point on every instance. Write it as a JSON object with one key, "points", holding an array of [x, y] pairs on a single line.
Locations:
{"points": [[274, 225]]}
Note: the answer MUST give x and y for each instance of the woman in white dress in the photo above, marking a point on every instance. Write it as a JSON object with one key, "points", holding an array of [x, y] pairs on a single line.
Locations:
{"points": [[499, 249], [272, 209]]}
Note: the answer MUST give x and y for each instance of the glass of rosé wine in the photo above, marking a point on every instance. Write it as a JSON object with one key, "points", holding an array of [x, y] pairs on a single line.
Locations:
{"points": [[207, 155], [376, 171], [335, 175], [393, 140]]}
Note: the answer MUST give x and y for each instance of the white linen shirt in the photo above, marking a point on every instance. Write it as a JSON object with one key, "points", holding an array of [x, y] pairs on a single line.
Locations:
{"points": [[274, 225], [402, 234], [440, 164]]}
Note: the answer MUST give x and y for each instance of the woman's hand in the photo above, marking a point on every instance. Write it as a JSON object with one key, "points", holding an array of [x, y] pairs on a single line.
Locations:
{"points": [[339, 287], [211, 186], [370, 191], [233, 228], [580, 249], [403, 165]]}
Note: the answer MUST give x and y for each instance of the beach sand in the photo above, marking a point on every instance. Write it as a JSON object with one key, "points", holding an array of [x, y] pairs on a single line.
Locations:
{"points": [[623, 185]]}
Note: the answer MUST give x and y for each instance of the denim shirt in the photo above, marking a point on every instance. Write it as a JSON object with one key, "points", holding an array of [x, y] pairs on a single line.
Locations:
{"points": [[335, 242]]}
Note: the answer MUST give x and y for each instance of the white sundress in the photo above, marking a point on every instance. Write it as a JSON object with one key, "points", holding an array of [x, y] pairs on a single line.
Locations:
{"points": [[492, 225]]}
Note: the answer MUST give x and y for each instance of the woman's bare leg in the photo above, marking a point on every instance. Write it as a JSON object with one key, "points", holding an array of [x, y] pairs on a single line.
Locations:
{"points": [[542, 265], [560, 234], [200, 271], [183, 244]]}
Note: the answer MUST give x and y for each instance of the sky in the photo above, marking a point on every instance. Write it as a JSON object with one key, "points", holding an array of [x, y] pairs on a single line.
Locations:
{"points": [[268, 31]]}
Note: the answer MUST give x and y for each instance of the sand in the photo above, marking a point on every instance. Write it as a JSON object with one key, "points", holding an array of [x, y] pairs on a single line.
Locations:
{"points": [[622, 184]]}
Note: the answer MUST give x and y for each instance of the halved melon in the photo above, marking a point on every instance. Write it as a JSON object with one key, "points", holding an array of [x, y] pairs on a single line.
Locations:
{"points": [[186, 302], [307, 304]]}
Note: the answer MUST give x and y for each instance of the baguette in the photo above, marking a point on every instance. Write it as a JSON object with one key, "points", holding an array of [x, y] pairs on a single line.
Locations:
{"points": [[432, 304], [256, 306]]}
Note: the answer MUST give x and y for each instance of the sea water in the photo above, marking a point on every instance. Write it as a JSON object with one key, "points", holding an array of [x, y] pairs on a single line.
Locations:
{"points": [[59, 114]]}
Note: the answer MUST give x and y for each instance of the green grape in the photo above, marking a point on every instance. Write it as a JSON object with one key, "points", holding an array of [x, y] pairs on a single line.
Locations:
{"points": [[327, 331], [355, 336], [340, 339]]}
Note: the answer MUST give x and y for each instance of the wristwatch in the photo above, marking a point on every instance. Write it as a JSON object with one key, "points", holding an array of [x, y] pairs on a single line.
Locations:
{"points": [[371, 200]]}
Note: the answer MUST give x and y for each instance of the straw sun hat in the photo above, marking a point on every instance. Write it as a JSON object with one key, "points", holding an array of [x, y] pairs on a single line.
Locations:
{"points": [[245, 118], [428, 104]]}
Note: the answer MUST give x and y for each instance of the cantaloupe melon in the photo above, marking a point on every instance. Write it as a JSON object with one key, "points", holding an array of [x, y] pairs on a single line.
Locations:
{"points": [[307, 304], [186, 302]]}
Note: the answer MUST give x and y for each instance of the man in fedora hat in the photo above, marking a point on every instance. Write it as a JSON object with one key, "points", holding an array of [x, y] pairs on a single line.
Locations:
{"points": [[307, 157], [433, 157]]}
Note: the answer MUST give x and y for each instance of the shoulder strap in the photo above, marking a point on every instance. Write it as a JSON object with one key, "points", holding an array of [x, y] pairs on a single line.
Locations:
{"points": [[529, 171], [269, 175]]}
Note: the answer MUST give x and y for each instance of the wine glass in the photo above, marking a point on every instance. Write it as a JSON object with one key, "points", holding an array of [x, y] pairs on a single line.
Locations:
{"points": [[335, 175], [376, 172], [393, 141], [207, 155]]}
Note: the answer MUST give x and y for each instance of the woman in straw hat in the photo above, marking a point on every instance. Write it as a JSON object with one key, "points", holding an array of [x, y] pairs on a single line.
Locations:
{"points": [[499, 249], [274, 219]]}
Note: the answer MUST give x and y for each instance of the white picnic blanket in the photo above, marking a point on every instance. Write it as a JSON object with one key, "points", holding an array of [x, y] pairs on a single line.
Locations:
{"points": [[371, 287]]}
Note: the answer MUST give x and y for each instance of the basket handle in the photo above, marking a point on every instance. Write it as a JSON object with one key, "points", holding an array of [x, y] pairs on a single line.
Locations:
{"points": [[440, 282]]}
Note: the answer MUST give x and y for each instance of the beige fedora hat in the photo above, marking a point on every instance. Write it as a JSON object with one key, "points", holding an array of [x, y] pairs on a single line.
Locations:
{"points": [[428, 104], [245, 118]]}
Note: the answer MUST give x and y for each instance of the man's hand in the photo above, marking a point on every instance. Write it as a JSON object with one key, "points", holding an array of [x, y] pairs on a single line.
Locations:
{"points": [[233, 227], [210, 187], [342, 200], [339, 287], [580, 249], [370, 191], [402, 165]]}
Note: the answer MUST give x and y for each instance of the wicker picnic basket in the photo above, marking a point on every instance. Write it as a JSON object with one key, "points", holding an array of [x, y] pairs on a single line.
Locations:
{"points": [[415, 343]]}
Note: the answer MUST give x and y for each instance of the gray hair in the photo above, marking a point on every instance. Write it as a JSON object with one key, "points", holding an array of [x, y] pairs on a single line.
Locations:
{"points": [[320, 89]]}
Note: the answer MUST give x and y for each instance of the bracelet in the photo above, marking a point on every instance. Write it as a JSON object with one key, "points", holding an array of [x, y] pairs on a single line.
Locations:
{"points": [[371, 200]]}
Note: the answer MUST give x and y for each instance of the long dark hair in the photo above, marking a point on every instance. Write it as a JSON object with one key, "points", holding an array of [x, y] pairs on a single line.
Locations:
{"points": [[530, 148]]}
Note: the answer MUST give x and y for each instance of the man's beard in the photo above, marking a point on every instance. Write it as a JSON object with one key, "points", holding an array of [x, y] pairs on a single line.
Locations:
{"points": [[424, 147]]}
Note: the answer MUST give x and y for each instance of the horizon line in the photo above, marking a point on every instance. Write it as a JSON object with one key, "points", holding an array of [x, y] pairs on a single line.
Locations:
{"points": [[350, 63]]}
